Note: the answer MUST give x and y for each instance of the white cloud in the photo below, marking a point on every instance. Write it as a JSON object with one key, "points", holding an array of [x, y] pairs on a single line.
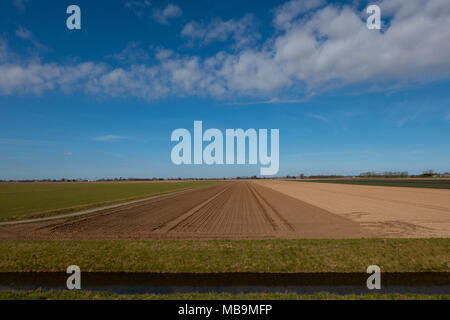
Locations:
{"points": [[137, 7], [170, 12], [318, 117], [132, 53], [36, 78], [327, 47], [4, 50], [334, 46], [24, 33], [252, 72], [242, 31], [274, 101], [287, 12], [109, 137], [20, 5], [27, 35]]}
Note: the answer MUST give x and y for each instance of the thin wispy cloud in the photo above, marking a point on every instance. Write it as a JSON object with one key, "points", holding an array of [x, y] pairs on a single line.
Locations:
{"points": [[410, 117], [403, 121], [26, 35], [23, 33], [14, 141], [133, 52], [318, 117], [335, 153], [20, 5], [273, 101], [137, 7], [109, 137], [351, 114]]}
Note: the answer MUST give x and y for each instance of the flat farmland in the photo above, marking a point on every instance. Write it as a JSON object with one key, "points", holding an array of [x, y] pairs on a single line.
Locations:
{"points": [[437, 183], [260, 209], [27, 200], [232, 210], [387, 212]]}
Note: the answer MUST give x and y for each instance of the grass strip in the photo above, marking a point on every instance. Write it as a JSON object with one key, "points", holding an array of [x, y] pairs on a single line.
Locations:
{"points": [[213, 256], [40, 294]]}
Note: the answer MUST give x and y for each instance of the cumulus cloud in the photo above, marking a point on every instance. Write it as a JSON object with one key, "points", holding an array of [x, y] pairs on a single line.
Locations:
{"points": [[252, 72], [333, 46], [36, 78], [328, 47], [287, 12], [170, 12], [242, 31]]}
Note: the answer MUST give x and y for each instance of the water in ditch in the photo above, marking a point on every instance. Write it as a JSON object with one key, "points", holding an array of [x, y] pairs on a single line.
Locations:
{"points": [[163, 283]]}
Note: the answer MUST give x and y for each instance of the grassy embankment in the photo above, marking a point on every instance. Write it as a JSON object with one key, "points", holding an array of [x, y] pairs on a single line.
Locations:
{"points": [[209, 256], [33, 200], [392, 255], [89, 295], [412, 183]]}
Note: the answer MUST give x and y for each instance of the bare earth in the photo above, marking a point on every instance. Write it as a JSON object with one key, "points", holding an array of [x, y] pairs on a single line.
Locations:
{"points": [[261, 209], [233, 210], [388, 212]]}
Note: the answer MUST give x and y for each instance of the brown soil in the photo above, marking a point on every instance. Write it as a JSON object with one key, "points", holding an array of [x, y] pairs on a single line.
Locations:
{"points": [[234, 210]]}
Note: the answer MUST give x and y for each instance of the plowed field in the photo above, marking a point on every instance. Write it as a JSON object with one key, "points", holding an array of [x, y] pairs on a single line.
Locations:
{"points": [[234, 210]]}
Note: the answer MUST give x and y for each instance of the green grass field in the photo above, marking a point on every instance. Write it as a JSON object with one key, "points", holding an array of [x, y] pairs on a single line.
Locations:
{"points": [[29, 200], [89, 295], [412, 183], [209, 256]]}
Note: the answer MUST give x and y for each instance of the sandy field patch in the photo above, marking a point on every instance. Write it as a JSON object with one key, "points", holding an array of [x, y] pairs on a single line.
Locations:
{"points": [[392, 212]]}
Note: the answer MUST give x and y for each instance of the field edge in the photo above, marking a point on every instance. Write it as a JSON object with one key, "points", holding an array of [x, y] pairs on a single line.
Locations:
{"points": [[216, 256], [99, 205], [40, 294]]}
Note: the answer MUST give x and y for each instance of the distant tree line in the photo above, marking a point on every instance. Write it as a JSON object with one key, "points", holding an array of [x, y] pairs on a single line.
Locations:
{"points": [[387, 174], [369, 174], [373, 174]]}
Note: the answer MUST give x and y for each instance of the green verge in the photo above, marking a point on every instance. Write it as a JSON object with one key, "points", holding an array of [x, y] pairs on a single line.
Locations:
{"points": [[40, 294], [35, 200], [213, 256], [412, 183]]}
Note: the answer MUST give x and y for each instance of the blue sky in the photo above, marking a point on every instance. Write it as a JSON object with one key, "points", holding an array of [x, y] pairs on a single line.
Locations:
{"points": [[103, 101]]}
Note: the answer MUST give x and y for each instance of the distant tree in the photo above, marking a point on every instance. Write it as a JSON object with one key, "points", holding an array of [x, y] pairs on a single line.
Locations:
{"points": [[428, 173]]}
